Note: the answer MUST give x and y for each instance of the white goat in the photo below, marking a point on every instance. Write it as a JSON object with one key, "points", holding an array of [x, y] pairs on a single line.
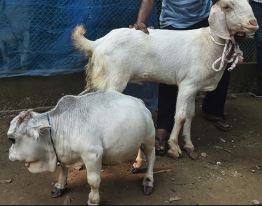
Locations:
{"points": [[194, 59]]}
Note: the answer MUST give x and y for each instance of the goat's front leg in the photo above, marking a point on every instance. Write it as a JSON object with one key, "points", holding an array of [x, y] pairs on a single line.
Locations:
{"points": [[59, 187], [93, 163], [189, 147], [186, 95]]}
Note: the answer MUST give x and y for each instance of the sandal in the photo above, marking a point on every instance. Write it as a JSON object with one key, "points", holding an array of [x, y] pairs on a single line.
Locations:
{"points": [[218, 122], [161, 146]]}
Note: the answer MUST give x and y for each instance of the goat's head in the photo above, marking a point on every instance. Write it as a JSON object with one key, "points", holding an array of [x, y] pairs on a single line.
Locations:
{"points": [[232, 17]]}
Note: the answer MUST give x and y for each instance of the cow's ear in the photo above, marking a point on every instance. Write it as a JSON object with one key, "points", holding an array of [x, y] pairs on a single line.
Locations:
{"points": [[39, 130]]}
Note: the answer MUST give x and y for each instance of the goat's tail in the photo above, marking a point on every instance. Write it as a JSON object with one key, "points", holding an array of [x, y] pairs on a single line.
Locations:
{"points": [[82, 43]]}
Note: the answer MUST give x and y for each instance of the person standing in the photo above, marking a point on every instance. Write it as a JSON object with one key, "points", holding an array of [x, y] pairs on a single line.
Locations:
{"points": [[257, 9]]}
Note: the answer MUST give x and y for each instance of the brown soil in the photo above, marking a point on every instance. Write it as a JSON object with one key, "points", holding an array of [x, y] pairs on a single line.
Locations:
{"points": [[230, 174]]}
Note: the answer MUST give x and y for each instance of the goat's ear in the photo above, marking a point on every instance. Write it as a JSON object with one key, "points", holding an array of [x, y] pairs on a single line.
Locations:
{"points": [[36, 131], [217, 22]]}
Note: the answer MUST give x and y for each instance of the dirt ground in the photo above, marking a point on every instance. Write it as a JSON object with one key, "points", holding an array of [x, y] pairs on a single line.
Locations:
{"points": [[231, 172]]}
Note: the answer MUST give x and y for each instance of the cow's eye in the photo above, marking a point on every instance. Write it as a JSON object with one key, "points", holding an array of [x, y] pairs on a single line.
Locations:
{"points": [[12, 140]]}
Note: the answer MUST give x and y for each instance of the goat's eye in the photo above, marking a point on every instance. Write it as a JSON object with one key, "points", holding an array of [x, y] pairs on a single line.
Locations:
{"points": [[12, 140], [227, 7]]}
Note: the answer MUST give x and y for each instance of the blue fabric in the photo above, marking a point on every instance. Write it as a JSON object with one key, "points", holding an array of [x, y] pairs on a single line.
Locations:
{"points": [[35, 35], [184, 13]]}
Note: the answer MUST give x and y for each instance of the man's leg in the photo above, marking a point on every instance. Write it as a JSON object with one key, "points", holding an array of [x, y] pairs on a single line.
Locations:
{"points": [[257, 8], [214, 103], [167, 95]]}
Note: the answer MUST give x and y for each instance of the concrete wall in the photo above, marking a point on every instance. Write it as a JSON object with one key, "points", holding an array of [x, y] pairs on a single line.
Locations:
{"points": [[24, 92]]}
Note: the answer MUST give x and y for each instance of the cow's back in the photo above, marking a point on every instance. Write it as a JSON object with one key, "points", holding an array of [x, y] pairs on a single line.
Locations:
{"points": [[114, 122]]}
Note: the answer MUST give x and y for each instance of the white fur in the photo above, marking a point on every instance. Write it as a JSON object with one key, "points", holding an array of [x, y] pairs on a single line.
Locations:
{"points": [[183, 58], [102, 127]]}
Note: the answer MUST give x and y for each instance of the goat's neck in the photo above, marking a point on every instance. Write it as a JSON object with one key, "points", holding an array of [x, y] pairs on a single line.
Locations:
{"points": [[217, 40]]}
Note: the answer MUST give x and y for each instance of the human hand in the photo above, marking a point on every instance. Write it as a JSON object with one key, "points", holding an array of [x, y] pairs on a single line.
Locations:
{"points": [[140, 26]]}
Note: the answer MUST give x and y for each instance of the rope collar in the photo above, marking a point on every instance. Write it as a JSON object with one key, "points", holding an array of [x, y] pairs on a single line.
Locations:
{"points": [[58, 163], [231, 54], [214, 40]]}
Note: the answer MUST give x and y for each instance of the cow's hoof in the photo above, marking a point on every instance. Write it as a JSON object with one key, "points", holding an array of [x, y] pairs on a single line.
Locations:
{"points": [[134, 170], [57, 192], [147, 186], [148, 190]]}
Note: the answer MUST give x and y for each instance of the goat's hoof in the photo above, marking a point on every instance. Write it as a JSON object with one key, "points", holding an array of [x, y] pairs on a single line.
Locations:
{"points": [[148, 190], [190, 150], [90, 203], [57, 192], [136, 167], [173, 154], [191, 153]]}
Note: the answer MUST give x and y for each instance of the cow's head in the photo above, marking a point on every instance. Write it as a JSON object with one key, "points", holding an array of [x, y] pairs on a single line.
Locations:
{"points": [[31, 143], [232, 17]]}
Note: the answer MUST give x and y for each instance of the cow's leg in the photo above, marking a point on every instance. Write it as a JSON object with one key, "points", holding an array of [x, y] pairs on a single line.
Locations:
{"points": [[138, 163], [148, 181], [93, 163], [186, 95], [59, 187]]}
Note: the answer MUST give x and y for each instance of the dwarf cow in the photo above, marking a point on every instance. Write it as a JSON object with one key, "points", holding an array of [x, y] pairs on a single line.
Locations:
{"points": [[101, 127]]}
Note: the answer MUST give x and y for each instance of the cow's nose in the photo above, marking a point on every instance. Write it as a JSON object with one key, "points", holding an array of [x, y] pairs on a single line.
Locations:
{"points": [[253, 22]]}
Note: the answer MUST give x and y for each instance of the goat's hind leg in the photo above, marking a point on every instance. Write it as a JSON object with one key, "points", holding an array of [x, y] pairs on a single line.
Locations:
{"points": [[138, 163]]}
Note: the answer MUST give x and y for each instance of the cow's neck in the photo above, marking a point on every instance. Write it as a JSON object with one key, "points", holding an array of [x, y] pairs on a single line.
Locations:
{"points": [[58, 162]]}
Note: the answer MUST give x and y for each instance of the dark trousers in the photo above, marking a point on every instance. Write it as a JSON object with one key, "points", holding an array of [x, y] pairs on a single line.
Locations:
{"points": [[214, 101], [257, 9]]}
